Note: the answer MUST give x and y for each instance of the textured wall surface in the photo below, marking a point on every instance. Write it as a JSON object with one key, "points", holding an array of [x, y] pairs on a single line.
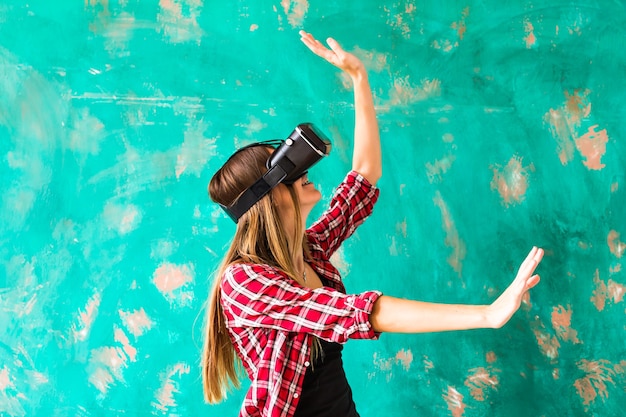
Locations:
{"points": [[503, 126]]}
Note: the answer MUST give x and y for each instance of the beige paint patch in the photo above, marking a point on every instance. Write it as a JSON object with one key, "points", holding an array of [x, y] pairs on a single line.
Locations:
{"points": [[195, 151], [459, 27], [453, 240], [428, 364], [165, 400], [177, 20], [373, 61], [565, 121], [548, 344], [338, 259], [401, 18], [479, 381], [172, 280], [436, 170], [105, 367], [137, 321], [562, 324], [606, 291], [86, 133], [600, 293], [511, 181], [253, 126], [616, 291], [404, 92], [592, 146], [86, 317], [122, 339], [121, 218], [599, 374], [5, 379], [530, 38], [454, 399], [403, 358], [615, 245], [295, 11]]}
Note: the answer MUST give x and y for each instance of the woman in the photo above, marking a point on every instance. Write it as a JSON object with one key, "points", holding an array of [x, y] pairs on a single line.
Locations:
{"points": [[278, 306]]}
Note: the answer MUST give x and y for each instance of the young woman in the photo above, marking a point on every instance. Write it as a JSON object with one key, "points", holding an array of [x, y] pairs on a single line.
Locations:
{"points": [[279, 308]]}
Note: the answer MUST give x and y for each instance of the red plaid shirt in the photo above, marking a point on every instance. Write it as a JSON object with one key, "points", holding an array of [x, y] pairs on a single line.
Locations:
{"points": [[271, 318]]}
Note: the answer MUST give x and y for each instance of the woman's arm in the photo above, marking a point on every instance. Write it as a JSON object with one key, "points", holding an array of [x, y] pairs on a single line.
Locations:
{"points": [[406, 316], [366, 157]]}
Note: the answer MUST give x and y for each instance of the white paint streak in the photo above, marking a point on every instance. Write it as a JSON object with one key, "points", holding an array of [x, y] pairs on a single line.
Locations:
{"points": [[172, 280], [165, 395], [178, 20], [137, 322], [162, 249], [254, 126], [122, 219], [121, 338], [295, 10], [195, 151], [404, 358], [340, 262], [105, 367], [86, 133], [5, 380], [85, 318], [405, 92]]}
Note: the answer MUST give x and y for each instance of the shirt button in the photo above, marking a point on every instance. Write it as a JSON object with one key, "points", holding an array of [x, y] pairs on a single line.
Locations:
{"points": [[295, 395], [306, 363]]}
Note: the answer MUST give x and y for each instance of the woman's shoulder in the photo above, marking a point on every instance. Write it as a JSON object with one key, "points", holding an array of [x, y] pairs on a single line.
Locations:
{"points": [[241, 270], [252, 278]]}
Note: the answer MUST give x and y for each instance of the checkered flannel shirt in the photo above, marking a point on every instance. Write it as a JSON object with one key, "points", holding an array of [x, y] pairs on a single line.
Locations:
{"points": [[271, 318]]}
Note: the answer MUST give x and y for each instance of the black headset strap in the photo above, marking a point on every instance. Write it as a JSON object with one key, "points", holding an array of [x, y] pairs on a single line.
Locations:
{"points": [[257, 191]]}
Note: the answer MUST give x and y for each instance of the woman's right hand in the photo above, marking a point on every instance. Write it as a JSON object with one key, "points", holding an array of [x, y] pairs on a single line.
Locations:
{"points": [[335, 55]]}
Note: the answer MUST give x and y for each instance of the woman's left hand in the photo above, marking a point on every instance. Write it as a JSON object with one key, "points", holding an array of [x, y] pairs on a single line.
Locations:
{"points": [[335, 55], [501, 310]]}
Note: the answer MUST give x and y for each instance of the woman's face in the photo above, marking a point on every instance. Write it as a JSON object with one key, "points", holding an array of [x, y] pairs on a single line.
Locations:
{"points": [[307, 194]]}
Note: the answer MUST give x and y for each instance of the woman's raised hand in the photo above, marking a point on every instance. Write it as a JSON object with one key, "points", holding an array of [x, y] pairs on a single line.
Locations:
{"points": [[335, 55], [501, 310]]}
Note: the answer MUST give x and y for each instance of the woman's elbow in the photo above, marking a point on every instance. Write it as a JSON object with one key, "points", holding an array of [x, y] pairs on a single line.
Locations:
{"points": [[371, 174]]}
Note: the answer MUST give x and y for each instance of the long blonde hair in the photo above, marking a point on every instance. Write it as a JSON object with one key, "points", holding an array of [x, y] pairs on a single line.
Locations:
{"points": [[260, 238]]}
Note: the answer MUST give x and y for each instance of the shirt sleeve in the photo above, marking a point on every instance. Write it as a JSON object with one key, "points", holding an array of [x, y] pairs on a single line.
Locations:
{"points": [[261, 296], [351, 204]]}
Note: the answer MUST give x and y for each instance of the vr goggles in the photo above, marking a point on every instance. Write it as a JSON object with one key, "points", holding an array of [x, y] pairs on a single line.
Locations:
{"points": [[290, 160]]}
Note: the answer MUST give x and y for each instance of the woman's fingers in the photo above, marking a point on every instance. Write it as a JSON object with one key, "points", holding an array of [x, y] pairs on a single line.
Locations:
{"points": [[334, 45], [532, 281], [336, 55], [315, 45], [530, 263]]}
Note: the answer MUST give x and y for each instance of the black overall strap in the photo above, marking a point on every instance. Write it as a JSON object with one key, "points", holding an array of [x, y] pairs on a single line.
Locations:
{"points": [[262, 186]]}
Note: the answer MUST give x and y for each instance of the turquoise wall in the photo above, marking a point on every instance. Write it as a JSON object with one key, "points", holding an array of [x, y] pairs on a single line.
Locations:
{"points": [[503, 126]]}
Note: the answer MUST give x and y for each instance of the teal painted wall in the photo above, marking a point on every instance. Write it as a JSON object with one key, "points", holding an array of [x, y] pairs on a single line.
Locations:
{"points": [[503, 126]]}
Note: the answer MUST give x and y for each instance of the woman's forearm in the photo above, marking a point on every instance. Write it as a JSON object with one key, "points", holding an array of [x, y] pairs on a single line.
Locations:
{"points": [[367, 159], [406, 316], [397, 315]]}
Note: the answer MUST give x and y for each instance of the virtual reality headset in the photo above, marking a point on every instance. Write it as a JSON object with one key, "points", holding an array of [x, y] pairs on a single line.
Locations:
{"points": [[290, 160]]}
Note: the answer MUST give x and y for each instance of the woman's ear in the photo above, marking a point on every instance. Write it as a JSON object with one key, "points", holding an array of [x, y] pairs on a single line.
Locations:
{"points": [[280, 197]]}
